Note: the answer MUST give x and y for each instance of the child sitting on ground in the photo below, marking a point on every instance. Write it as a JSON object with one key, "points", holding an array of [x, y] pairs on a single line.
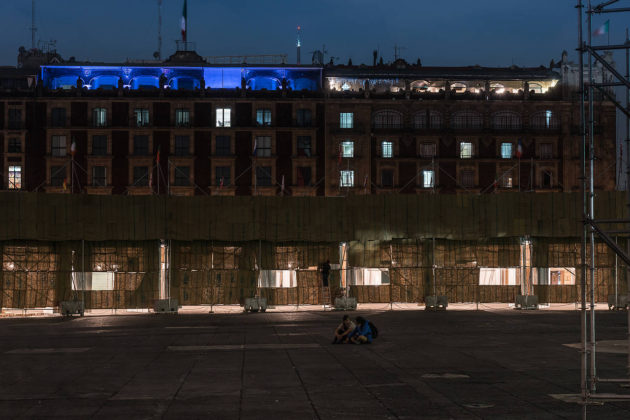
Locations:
{"points": [[362, 334], [343, 330]]}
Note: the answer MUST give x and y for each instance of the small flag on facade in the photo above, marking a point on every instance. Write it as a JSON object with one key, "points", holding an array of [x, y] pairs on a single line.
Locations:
{"points": [[519, 149], [221, 183], [184, 21], [602, 30], [157, 156], [73, 147]]}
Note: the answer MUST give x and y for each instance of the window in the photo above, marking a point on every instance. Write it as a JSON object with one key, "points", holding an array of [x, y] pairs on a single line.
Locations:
{"points": [[465, 150], [387, 119], [420, 120], [222, 176], [182, 117], [346, 120], [387, 178], [277, 278], [262, 145], [506, 179], [99, 117], [57, 175], [140, 176], [98, 176], [222, 146], [58, 146], [223, 117], [182, 176], [182, 145], [99, 145], [347, 149], [545, 120], [467, 178], [347, 179], [466, 120], [263, 117], [140, 145], [506, 150], [435, 120], [428, 179], [142, 117], [15, 177], [263, 176], [428, 150], [387, 149], [304, 176], [546, 151], [304, 118], [368, 276], [15, 119], [547, 179], [15, 145], [304, 146], [506, 120], [58, 117]]}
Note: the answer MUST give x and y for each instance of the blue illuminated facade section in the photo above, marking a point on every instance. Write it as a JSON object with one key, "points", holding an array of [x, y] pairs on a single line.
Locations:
{"points": [[181, 78]]}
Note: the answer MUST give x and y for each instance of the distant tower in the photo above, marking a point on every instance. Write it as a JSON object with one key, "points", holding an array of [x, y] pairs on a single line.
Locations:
{"points": [[33, 28], [299, 42]]}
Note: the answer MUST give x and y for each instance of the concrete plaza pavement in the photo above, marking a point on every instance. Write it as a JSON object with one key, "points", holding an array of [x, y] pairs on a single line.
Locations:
{"points": [[459, 364]]}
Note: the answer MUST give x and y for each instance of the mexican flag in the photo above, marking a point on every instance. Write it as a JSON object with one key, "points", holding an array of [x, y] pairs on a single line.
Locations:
{"points": [[602, 30], [184, 21]]}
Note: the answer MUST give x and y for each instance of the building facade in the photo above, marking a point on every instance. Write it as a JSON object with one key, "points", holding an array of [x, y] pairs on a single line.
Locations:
{"points": [[185, 128]]}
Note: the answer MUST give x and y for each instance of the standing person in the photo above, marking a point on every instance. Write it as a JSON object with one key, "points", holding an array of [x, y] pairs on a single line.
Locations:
{"points": [[325, 272], [362, 334], [344, 330]]}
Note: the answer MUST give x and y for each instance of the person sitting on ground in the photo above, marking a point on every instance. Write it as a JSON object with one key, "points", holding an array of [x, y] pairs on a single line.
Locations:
{"points": [[362, 334], [343, 330]]}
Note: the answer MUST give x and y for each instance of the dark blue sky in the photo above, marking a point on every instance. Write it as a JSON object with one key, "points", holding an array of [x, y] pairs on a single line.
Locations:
{"points": [[447, 32]]}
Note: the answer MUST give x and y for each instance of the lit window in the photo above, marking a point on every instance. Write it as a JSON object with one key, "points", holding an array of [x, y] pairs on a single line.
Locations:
{"points": [[347, 179], [99, 117], [263, 146], [182, 145], [15, 177], [428, 179], [222, 146], [224, 117], [222, 176], [182, 176], [142, 117], [58, 146], [506, 150], [465, 150], [506, 180], [387, 149], [15, 145], [182, 118], [99, 145], [347, 149], [427, 150], [263, 176], [346, 120], [98, 176], [263, 117]]}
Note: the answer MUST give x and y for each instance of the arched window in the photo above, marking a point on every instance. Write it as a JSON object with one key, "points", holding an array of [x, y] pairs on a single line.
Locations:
{"points": [[419, 85], [544, 120], [387, 119], [459, 87], [466, 119], [506, 120]]}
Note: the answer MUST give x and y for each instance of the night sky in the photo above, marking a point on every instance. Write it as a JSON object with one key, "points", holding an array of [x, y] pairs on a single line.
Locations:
{"points": [[456, 32]]}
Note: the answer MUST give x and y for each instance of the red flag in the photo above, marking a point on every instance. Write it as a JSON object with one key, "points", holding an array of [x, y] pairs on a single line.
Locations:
{"points": [[157, 157], [221, 183]]}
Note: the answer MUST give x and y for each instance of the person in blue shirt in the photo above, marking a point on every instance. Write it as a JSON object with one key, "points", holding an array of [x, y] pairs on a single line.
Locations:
{"points": [[362, 334]]}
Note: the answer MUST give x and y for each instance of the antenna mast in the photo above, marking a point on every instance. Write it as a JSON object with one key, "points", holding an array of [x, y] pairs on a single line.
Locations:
{"points": [[299, 42], [159, 50], [33, 28]]}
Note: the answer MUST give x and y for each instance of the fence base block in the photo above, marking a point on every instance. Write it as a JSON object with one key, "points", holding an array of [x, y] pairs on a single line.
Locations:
{"points": [[166, 306], [345, 304], [255, 304], [526, 302], [435, 303], [71, 307]]}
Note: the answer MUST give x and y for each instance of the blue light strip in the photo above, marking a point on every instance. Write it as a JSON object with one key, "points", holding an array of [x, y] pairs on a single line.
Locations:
{"points": [[255, 78]]}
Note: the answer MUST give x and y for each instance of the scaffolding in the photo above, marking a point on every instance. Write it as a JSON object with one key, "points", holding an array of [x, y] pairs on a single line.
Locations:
{"points": [[598, 228]]}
